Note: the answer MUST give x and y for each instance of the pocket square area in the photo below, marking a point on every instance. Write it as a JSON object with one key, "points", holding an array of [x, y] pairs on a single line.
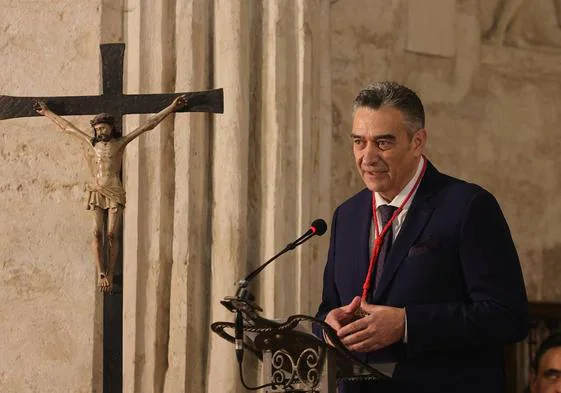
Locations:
{"points": [[423, 247]]}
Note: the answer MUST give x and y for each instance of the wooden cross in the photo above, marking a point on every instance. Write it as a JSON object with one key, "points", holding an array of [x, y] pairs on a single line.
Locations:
{"points": [[112, 101]]}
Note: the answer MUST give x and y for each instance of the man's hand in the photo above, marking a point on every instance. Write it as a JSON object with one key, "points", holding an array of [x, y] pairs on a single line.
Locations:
{"points": [[382, 327], [179, 102], [339, 317], [40, 107]]}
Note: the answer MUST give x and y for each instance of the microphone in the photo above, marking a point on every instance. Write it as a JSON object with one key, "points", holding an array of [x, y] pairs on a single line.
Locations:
{"points": [[317, 228]]}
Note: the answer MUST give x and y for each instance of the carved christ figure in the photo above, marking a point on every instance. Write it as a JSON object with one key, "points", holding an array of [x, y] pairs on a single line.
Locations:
{"points": [[106, 195]]}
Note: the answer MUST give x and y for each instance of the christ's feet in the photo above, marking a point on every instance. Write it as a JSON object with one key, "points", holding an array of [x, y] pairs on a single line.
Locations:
{"points": [[104, 282]]}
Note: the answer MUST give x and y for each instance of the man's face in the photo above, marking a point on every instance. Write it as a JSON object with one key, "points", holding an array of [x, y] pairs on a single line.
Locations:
{"points": [[385, 155], [104, 131], [548, 378]]}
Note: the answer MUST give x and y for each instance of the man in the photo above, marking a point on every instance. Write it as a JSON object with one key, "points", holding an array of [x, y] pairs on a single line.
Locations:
{"points": [[445, 292], [106, 195], [546, 368]]}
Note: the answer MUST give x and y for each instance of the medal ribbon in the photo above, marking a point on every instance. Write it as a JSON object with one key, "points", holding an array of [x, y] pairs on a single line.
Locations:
{"points": [[380, 235]]}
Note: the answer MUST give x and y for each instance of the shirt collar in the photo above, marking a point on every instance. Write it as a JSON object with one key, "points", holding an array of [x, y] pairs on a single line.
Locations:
{"points": [[399, 198]]}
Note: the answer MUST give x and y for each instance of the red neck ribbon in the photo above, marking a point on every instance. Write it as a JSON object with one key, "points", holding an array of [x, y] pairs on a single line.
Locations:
{"points": [[380, 235]]}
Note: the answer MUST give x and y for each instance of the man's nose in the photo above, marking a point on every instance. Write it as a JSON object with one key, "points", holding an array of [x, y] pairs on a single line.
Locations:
{"points": [[371, 153]]}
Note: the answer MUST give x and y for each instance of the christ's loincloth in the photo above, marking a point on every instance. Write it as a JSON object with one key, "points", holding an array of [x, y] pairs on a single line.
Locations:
{"points": [[103, 197]]}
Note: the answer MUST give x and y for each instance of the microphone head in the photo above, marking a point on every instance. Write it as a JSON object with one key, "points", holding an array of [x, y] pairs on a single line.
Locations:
{"points": [[319, 227]]}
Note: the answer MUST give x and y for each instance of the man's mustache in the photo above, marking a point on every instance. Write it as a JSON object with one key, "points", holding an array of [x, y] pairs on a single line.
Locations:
{"points": [[380, 167]]}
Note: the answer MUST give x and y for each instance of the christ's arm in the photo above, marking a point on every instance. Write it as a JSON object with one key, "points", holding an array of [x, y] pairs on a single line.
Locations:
{"points": [[41, 108], [153, 121]]}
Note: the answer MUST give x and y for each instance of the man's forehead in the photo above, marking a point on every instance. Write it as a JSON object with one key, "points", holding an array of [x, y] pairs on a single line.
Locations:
{"points": [[551, 359], [386, 121], [383, 117]]}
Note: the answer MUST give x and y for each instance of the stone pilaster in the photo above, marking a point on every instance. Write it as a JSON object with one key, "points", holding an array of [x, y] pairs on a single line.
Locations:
{"points": [[244, 183], [148, 221], [295, 90], [229, 152], [191, 272]]}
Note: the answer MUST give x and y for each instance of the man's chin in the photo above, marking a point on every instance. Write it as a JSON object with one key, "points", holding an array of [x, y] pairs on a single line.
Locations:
{"points": [[375, 181], [375, 186]]}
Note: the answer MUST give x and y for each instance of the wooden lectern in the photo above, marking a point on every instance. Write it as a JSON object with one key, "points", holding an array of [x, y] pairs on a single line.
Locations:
{"points": [[294, 359]]}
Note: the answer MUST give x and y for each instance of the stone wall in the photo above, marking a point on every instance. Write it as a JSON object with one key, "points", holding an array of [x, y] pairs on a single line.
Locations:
{"points": [[492, 109], [208, 197], [49, 310], [218, 195], [211, 197]]}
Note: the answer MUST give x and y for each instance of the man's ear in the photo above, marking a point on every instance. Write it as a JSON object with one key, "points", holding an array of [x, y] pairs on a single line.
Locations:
{"points": [[419, 141]]}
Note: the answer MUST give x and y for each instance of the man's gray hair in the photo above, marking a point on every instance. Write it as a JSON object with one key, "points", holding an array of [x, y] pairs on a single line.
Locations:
{"points": [[392, 94]]}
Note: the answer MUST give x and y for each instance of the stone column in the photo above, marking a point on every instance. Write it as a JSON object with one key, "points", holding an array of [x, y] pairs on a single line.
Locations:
{"points": [[149, 174], [288, 159], [295, 123], [314, 153], [243, 184], [279, 152], [191, 274], [229, 150]]}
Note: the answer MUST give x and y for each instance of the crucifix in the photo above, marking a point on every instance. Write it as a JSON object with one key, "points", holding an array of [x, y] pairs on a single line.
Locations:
{"points": [[106, 196]]}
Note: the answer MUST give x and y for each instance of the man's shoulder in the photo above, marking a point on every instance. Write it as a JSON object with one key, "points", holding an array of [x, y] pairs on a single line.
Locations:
{"points": [[451, 188], [454, 184], [361, 198]]}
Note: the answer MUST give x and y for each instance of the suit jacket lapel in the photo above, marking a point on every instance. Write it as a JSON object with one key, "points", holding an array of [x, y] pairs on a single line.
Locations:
{"points": [[416, 219], [362, 233]]}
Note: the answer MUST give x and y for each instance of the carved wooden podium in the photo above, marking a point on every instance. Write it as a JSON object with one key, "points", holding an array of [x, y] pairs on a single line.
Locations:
{"points": [[294, 359]]}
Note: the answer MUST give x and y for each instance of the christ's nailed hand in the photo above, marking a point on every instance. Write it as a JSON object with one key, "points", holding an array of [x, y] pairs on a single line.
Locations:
{"points": [[40, 107]]}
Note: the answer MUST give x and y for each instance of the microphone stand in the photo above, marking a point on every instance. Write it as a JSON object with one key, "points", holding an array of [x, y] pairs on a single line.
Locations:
{"points": [[243, 295]]}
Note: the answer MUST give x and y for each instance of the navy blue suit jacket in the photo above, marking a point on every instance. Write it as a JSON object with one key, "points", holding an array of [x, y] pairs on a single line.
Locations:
{"points": [[454, 268]]}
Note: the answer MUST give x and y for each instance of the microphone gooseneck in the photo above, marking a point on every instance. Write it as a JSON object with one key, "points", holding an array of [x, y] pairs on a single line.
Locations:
{"points": [[318, 228]]}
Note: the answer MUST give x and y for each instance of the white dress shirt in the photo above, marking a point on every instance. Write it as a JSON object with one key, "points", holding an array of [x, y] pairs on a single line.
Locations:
{"points": [[398, 222], [397, 201]]}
